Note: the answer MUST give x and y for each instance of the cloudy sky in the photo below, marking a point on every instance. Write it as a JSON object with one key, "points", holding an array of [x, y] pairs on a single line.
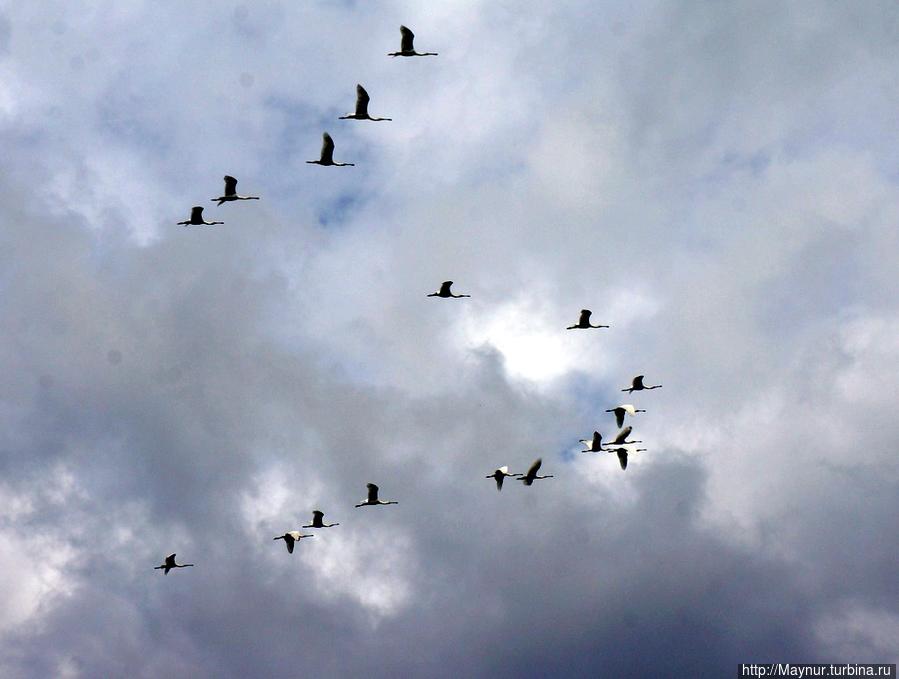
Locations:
{"points": [[717, 181]]}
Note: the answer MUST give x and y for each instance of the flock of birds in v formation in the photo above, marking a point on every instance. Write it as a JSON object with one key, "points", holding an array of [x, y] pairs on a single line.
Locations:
{"points": [[618, 445]]}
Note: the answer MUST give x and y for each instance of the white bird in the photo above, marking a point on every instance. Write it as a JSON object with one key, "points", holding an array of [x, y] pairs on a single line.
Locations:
{"points": [[170, 564], [595, 443], [361, 112], [445, 291], [622, 410], [328, 153], [317, 517], [406, 48], [196, 218], [531, 476], [372, 498], [499, 476], [291, 537], [637, 385], [231, 192], [622, 454], [621, 437], [583, 322]]}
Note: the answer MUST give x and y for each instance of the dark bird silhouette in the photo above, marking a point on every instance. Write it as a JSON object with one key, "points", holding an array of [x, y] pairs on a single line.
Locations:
{"points": [[584, 322], [622, 410], [196, 218], [361, 112], [499, 476], [637, 385], [595, 443], [621, 437], [170, 564], [445, 291], [372, 498], [328, 153], [317, 517], [622, 454], [531, 476], [406, 46], [231, 192], [291, 537]]}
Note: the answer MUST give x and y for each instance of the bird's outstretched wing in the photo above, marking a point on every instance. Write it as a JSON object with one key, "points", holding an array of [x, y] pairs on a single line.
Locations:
{"points": [[622, 457], [327, 148], [535, 467], [638, 382], [362, 100], [372, 492], [407, 41], [196, 213], [445, 287], [230, 186], [585, 317]]}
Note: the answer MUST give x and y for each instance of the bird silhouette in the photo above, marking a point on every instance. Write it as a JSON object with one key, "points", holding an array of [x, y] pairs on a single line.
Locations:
{"points": [[291, 537], [531, 476], [327, 157], [170, 564], [361, 112], [231, 192], [372, 498], [317, 517], [584, 322], [196, 218], [595, 443], [637, 385], [445, 291], [623, 453], [406, 46], [622, 410], [621, 437], [499, 476]]}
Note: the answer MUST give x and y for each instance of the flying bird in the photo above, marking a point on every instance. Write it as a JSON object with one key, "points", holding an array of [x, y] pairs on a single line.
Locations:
{"points": [[637, 385], [499, 476], [196, 218], [406, 48], [372, 498], [170, 564], [583, 322], [622, 454], [621, 437], [595, 443], [328, 153], [231, 192], [361, 112], [531, 476], [317, 517], [622, 410], [291, 537], [445, 291]]}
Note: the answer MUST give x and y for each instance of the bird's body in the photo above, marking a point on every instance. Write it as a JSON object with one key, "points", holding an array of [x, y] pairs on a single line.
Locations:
{"points": [[407, 48], [623, 453], [196, 218], [531, 476], [317, 517], [445, 291], [595, 443], [583, 322], [230, 193], [621, 437], [361, 112], [169, 564], [327, 155], [622, 410], [637, 385], [499, 476], [372, 498], [291, 537]]}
